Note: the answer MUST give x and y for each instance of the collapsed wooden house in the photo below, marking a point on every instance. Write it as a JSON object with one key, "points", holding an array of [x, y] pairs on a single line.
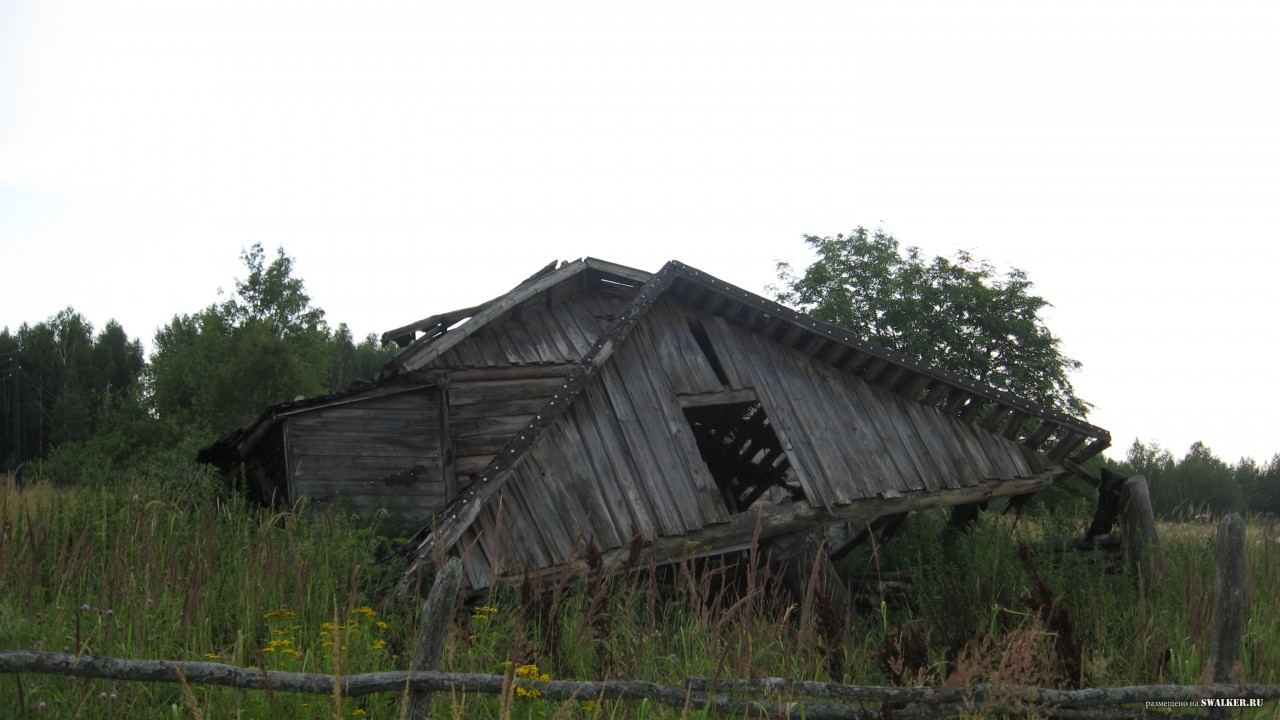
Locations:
{"points": [[595, 403]]}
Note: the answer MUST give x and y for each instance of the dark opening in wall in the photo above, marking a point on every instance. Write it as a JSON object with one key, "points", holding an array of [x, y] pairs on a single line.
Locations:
{"points": [[743, 453], [704, 344]]}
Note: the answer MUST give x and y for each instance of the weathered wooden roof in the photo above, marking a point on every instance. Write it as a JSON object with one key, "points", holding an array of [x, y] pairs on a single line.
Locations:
{"points": [[1065, 440]]}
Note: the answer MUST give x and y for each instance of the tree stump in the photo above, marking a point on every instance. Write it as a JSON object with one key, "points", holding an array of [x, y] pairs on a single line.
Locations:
{"points": [[1143, 542]]}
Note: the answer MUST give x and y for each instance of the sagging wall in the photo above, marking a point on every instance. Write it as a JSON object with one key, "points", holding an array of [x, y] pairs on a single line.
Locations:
{"points": [[624, 460], [374, 454]]}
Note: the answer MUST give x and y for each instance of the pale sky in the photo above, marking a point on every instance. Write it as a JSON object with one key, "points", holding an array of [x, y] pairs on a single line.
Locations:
{"points": [[416, 157]]}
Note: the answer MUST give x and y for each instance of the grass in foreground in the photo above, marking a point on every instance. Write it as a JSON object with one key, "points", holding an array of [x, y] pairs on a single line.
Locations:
{"points": [[144, 570]]}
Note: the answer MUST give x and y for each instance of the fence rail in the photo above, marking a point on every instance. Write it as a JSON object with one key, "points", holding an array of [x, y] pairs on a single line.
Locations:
{"points": [[769, 697], [764, 697]]}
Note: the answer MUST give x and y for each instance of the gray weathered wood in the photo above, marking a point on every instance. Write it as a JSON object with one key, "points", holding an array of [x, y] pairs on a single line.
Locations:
{"points": [[840, 702], [1141, 538], [433, 628], [1228, 598], [808, 571]]}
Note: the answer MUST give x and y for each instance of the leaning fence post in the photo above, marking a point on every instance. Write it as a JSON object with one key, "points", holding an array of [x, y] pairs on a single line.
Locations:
{"points": [[1140, 530], [437, 612], [1228, 598]]}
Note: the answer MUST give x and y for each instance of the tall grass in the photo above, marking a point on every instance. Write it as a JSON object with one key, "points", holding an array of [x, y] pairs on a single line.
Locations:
{"points": [[150, 570]]}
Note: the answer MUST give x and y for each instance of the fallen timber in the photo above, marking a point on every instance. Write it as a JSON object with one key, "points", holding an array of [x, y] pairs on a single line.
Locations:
{"points": [[594, 404], [772, 697]]}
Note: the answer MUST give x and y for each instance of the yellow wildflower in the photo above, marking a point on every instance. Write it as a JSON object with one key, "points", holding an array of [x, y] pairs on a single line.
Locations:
{"points": [[212, 656]]}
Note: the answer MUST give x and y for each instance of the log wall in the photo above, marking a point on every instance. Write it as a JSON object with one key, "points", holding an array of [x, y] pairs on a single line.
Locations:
{"points": [[380, 452]]}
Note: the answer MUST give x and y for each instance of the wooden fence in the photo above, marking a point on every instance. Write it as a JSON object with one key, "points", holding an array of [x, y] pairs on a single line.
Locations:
{"points": [[764, 697]]}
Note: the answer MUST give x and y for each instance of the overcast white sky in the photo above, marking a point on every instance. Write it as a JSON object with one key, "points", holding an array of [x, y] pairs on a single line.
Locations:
{"points": [[420, 156]]}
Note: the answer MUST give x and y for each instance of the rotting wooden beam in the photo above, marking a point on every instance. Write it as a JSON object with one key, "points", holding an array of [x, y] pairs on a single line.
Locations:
{"points": [[725, 397], [1014, 424], [973, 409], [936, 393], [790, 518], [1069, 441], [1098, 445], [454, 519], [955, 401], [1040, 434], [914, 386], [1081, 472], [419, 354], [993, 420]]}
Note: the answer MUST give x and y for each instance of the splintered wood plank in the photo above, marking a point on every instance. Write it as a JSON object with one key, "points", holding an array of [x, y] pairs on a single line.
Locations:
{"points": [[600, 513], [648, 462], [557, 334], [1014, 425], [680, 467], [537, 488], [667, 471], [602, 437], [583, 329], [470, 465], [375, 491], [364, 446], [417, 424], [1040, 434], [900, 467], [471, 392], [784, 401], [947, 454], [726, 346], [366, 463], [479, 444], [506, 425], [563, 479], [704, 492], [847, 422], [914, 453], [468, 375], [496, 409]]}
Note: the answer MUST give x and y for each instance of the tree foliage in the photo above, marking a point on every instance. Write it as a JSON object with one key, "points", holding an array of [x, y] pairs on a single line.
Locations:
{"points": [[56, 378], [91, 408], [956, 313], [266, 344], [1200, 483]]}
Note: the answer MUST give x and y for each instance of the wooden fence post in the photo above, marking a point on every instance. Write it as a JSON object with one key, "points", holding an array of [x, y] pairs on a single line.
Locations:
{"points": [[437, 613], [1140, 534], [1228, 598]]}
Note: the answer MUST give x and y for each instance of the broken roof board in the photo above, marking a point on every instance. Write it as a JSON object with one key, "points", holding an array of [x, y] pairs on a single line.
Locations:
{"points": [[887, 426], [933, 457], [624, 458]]}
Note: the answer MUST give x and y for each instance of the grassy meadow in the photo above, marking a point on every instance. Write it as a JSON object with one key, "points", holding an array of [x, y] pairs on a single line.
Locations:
{"points": [[189, 572]]}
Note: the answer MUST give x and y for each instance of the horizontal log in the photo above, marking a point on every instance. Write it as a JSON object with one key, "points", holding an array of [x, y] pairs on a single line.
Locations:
{"points": [[517, 372], [467, 393], [480, 444], [724, 696], [471, 464], [499, 425], [728, 397], [496, 409]]}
